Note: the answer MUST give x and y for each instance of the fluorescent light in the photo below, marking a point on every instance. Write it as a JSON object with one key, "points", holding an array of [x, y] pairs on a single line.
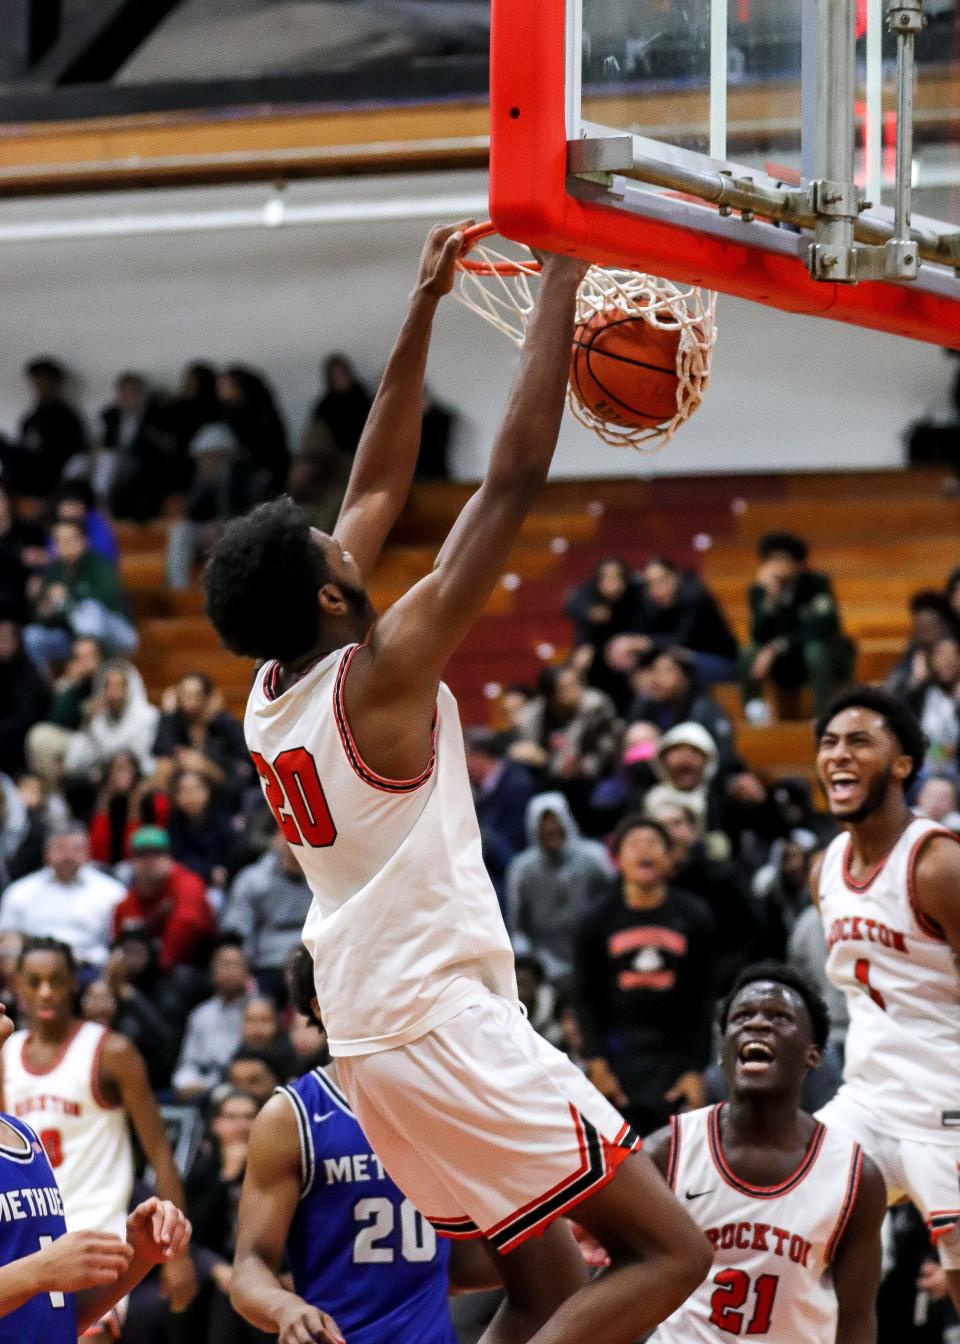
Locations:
{"points": [[272, 213]]}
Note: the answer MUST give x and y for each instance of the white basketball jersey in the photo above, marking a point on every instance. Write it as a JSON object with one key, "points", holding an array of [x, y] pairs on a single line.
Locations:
{"points": [[772, 1247], [404, 928], [903, 990], [86, 1139]]}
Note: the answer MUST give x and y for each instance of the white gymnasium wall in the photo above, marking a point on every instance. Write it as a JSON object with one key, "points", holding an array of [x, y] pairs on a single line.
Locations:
{"points": [[787, 392]]}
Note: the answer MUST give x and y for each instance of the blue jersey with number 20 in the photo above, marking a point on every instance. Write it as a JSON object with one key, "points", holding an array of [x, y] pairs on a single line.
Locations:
{"points": [[31, 1216], [358, 1249]]}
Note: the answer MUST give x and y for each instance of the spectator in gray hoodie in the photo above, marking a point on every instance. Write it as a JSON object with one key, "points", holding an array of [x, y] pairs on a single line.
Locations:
{"points": [[267, 906], [552, 884]]}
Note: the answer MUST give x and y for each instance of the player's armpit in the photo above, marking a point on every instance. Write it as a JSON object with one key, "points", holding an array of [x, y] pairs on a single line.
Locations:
{"points": [[936, 885], [657, 1148], [856, 1268], [271, 1191]]}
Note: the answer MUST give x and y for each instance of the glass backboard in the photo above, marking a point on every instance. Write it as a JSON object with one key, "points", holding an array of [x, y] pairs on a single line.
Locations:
{"points": [[663, 98]]}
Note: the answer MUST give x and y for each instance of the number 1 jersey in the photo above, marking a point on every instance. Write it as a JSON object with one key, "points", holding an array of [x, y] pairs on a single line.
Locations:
{"points": [[358, 1249], [902, 1059], [404, 928], [31, 1216], [773, 1247]]}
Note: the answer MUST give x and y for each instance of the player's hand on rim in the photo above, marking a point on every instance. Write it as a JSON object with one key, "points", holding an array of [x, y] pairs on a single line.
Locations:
{"points": [[80, 1260], [302, 1324], [438, 260]]}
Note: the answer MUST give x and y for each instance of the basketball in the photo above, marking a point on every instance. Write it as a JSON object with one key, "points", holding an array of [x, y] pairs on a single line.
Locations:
{"points": [[624, 369]]}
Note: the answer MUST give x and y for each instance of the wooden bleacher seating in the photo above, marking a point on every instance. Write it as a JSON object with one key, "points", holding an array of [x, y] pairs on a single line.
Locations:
{"points": [[881, 536]]}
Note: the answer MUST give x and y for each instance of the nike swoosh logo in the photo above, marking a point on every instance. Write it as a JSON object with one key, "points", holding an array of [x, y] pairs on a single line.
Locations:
{"points": [[697, 1194], [319, 1119]]}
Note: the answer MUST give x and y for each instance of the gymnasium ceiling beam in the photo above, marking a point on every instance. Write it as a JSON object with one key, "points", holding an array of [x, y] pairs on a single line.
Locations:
{"points": [[99, 42]]}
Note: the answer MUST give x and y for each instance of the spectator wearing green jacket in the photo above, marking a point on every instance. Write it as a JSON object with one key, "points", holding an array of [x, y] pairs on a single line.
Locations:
{"points": [[796, 637], [80, 595]]}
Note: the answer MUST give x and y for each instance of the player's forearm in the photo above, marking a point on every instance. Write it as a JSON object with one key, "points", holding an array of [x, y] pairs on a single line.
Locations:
{"points": [[167, 1182], [94, 1303], [860, 1328], [390, 442], [258, 1295], [19, 1281], [527, 439]]}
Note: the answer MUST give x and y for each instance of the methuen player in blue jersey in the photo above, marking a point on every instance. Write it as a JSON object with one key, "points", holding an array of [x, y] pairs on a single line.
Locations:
{"points": [[54, 1284], [367, 1266]]}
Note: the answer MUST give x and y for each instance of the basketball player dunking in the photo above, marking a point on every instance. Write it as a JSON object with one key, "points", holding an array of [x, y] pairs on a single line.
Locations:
{"points": [[79, 1085], [792, 1207], [889, 894], [488, 1131]]}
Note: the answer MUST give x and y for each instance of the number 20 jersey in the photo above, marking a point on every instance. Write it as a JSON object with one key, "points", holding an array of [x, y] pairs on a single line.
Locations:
{"points": [[772, 1246], [404, 928], [898, 972], [358, 1249]]}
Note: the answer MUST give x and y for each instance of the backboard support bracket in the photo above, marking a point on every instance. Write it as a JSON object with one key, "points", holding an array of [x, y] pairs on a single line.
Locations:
{"points": [[561, 181], [876, 253]]}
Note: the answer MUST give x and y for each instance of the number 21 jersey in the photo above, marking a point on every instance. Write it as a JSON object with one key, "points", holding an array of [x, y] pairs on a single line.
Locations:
{"points": [[902, 1060], [773, 1247]]}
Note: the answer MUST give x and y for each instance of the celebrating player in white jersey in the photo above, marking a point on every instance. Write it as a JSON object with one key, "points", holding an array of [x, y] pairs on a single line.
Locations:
{"points": [[792, 1208], [889, 894], [79, 1086], [487, 1129]]}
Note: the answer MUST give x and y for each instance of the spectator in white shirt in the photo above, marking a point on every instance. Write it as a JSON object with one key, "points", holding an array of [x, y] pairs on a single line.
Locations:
{"points": [[70, 899], [215, 1027]]}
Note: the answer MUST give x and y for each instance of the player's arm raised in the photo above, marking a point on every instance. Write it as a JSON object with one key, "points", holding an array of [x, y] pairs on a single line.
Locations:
{"points": [[412, 641], [271, 1192], [856, 1267], [937, 886], [125, 1073], [390, 444]]}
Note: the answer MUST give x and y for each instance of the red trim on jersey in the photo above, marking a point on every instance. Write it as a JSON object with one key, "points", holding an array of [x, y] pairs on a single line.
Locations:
{"points": [[761, 1191], [673, 1152], [98, 1096], [360, 768], [874, 872], [930, 926], [58, 1057], [849, 1199], [271, 677]]}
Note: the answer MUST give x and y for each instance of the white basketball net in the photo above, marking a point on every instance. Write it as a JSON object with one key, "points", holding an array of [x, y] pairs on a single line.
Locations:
{"points": [[505, 299]]}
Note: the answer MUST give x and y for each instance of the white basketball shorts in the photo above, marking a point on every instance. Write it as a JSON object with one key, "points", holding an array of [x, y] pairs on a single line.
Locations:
{"points": [[488, 1129], [926, 1173]]}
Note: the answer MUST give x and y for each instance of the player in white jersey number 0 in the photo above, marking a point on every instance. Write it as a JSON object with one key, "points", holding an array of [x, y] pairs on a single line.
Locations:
{"points": [[488, 1130], [889, 894]]}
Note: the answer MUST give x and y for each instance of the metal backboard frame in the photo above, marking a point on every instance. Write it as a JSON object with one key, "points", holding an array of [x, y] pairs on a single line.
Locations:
{"points": [[562, 182]]}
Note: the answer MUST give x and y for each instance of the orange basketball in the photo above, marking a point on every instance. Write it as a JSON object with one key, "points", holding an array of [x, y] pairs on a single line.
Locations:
{"points": [[624, 369]]}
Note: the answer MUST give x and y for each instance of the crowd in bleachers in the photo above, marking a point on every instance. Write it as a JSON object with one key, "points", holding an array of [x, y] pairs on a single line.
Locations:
{"points": [[616, 808]]}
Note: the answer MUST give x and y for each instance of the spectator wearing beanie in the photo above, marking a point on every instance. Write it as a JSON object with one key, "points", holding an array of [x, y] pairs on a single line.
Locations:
{"points": [[166, 900]]}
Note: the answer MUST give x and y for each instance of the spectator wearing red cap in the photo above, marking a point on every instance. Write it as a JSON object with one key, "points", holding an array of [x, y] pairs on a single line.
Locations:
{"points": [[167, 901]]}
